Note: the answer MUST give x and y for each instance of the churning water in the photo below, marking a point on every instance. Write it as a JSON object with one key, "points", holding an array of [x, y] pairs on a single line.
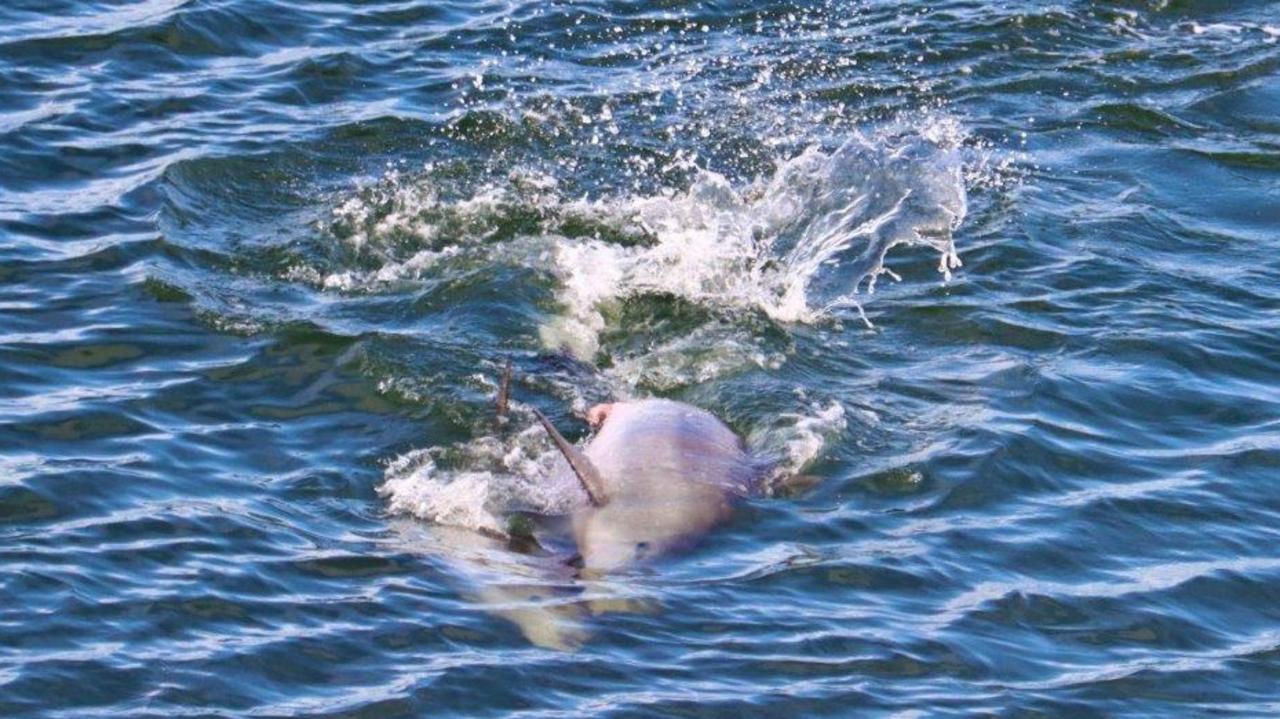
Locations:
{"points": [[993, 286]]}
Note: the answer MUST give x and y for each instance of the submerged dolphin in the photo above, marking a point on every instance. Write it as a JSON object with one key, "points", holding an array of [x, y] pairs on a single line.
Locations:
{"points": [[659, 474]]}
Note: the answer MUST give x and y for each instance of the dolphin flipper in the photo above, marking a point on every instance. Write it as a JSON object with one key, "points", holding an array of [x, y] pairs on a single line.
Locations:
{"points": [[587, 473]]}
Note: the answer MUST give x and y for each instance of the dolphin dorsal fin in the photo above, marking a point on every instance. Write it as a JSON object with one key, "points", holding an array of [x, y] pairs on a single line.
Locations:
{"points": [[504, 393], [587, 473]]}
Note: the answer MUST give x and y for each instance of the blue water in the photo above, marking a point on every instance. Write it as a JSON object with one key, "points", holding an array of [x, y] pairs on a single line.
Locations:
{"points": [[261, 262]]}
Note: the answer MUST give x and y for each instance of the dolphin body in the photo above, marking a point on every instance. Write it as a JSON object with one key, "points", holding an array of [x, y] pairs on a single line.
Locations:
{"points": [[659, 474]]}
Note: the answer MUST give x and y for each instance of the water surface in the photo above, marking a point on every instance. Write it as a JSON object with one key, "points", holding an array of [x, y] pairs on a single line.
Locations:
{"points": [[999, 281]]}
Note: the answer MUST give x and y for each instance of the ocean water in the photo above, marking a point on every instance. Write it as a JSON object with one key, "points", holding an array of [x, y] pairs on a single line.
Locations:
{"points": [[995, 286]]}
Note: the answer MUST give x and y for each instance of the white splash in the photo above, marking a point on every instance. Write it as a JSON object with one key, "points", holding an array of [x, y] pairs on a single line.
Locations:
{"points": [[794, 440], [474, 483], [796, 246]]}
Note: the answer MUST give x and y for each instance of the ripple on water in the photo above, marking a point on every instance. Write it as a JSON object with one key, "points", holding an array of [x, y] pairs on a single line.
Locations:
{"points": [[260, 263]]}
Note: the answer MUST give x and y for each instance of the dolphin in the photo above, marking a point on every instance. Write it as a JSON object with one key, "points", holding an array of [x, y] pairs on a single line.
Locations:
{"points": [[658, 474]]}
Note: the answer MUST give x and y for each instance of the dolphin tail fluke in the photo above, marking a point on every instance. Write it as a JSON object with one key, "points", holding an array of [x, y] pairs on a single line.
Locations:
{"points": [[586, 472]]}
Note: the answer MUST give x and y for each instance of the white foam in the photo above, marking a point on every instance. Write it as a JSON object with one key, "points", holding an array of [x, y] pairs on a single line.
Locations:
{"points": [[474, 483], [1215, 27], [415, 485], [793, 440], [698, 357]]}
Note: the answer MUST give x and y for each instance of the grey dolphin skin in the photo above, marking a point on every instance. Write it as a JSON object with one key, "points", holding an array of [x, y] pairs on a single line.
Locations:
{"points": [[659, 474]]}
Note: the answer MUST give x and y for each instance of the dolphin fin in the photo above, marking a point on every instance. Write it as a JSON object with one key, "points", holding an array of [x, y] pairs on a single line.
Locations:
{"points": [[587, 473], [504, 393]]}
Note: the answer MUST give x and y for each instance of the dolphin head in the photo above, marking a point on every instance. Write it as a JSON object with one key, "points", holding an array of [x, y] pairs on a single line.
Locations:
{"points": [[607, 541]]}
